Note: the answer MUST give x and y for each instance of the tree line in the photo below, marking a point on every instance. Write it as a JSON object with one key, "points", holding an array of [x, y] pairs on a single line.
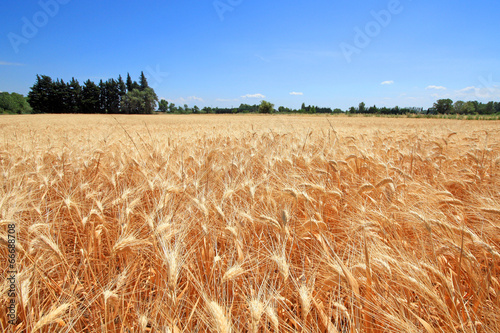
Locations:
{"points": [[442, 106], [116, 96], [111, 96], [446, 106]]}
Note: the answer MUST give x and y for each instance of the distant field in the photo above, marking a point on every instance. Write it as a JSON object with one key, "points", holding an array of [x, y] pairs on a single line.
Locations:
{"points": [[249, 223]]}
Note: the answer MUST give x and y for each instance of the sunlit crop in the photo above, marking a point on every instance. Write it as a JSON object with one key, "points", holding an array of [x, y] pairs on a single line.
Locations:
{"points": [[251, 224]]}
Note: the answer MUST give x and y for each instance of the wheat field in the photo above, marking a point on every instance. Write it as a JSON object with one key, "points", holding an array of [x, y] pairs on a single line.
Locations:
{"points": [[250, 223]]}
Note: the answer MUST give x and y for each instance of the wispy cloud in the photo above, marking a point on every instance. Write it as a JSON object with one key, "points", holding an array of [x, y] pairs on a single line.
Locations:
{"points": [[186, 99], [194, 98], [473, 92], [436, 87], [253, 96], [467, 90], [6, 63], [293, 93], [191, 98], [387, 82]]}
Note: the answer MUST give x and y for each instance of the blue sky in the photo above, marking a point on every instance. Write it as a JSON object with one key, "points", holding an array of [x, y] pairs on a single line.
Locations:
{"points": [[333, 53]]}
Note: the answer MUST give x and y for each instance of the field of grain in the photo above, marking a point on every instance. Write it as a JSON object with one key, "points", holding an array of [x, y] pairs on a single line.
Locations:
{"points": [[250, 223]]}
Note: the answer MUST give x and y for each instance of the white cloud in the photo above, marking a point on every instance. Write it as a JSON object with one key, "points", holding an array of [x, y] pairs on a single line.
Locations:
{"points": [[186, 100], [469, 93], [194, 98], [5, 63], [492, 92], [436, 87], [253, 96], [293, 93], [387, 82], [467, 90]]}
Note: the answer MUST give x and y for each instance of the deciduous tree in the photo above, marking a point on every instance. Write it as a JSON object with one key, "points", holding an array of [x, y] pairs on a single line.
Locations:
{"points": [[266, 107]]}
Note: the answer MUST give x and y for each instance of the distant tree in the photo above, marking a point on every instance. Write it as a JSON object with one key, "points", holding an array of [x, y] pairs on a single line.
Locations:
{"points": [[163, 106], [171, 108], [458, 107], [62, 97], [143, 82], [6, 103], [266, 107], [130, 84], [102, 96], [373, 109], [75, 96], [90, 98], [477, 106], [395, 110], [122, 89], [14, 103], [469, 108], [40, 94], [22, 103], [196, 109], [142, 102], [352, 109], [113, 97], [362, 107], [245, 108], [323, 110], [303, 107], [150, 99], [384, 110], [443, 106], [490, 108]]}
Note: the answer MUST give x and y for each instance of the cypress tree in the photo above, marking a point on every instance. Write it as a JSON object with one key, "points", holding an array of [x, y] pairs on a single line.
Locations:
{"points": [[143, 82], [130, 85], [75, 96], [90, 97]]}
